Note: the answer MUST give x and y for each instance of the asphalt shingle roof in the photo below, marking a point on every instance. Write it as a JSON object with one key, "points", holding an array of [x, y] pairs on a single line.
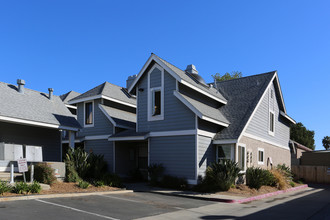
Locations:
{"points": [[34, 106], [188, 78], [110, 90], [243, 95], [206, 110], [68, 96], [121, 117]]}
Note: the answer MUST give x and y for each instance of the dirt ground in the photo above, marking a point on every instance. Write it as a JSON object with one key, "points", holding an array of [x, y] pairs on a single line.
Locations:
{"points": [[243, 190], [63, 187]]}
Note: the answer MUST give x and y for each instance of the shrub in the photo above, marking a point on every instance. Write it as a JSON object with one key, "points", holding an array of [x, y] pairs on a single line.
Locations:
{"points": [[135, 175], [98, 183], [279, 179], [155, 172], [220, 176], [35, 187], [4, 187], [21, 188], [83, 184], [173, 182], [78, 159], [43, 173], [97, 166], [257, 177], [292, 184], [112, 180], [71, 174], [285, 170]]}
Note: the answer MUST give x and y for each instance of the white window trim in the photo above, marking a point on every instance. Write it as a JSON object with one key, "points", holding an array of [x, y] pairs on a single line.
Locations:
{"points": [[243, 146], [263, 159], [151, 90], [93, 111]]}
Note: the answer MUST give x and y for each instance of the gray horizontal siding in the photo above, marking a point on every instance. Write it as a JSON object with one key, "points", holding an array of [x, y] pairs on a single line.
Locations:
{"points": [[259, 125], [206, 154], [177, 154], [176, 115], [102, 125], [155, 78], [101, 147], [49, 139]]}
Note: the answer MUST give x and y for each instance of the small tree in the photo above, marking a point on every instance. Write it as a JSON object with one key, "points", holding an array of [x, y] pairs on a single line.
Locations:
{"points": [[227, 76], [326, 142]]}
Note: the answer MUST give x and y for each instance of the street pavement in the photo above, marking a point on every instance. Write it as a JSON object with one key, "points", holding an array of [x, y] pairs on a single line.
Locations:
{"points": [[311, 203]]}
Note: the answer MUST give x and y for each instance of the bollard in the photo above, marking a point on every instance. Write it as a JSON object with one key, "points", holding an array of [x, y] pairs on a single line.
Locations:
{"points": [[11, 172]]}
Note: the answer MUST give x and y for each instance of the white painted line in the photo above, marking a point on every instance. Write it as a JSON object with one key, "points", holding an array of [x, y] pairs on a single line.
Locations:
{"points": [[129, 200], [77, 210]]}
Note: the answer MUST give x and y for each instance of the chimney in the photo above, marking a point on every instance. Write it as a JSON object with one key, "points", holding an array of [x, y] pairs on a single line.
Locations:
{"points": [[21, 83], [50, 90], [191, 69], [130, 80]]}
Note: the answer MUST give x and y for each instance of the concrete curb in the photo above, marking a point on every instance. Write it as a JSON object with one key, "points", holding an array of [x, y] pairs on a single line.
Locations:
{"points": [[64, 195], [238, 201]]}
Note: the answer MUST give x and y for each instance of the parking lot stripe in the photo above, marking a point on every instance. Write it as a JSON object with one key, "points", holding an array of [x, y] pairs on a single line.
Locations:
{"points": [[77, 210], [113, 197]]}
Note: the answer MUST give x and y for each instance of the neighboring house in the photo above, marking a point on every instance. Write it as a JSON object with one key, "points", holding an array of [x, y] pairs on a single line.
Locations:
{"points": [[31, 123], [186, 124], [68, 96], [103, 111], [297, 151]]}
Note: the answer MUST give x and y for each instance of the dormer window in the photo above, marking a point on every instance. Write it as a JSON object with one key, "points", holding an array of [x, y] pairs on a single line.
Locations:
{"points": [[89, 114]]}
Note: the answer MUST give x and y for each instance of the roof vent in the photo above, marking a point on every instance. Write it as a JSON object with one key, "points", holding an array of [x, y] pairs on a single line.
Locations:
{"points": [[50, 90], [20, 83], [194, 73]]}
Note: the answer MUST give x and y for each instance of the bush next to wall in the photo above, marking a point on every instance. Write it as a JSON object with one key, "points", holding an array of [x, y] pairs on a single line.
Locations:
{"points": [[257, 177], [155, 172]]}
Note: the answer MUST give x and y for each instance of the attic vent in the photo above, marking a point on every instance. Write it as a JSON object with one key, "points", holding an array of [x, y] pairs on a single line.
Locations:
{"points": [[20, 83]]}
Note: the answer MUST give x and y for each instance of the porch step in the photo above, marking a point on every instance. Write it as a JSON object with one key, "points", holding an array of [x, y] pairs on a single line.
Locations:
{"points": [[5, 176]]}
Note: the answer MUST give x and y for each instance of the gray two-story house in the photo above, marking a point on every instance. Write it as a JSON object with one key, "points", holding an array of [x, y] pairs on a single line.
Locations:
{"points": [[185, 123]]}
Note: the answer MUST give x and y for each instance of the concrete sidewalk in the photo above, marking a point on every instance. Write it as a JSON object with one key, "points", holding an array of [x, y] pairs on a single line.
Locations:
{"points": [[143, 187]]}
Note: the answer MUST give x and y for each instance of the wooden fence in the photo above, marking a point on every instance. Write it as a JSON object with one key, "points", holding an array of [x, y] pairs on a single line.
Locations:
{"points": [[312, 174]]}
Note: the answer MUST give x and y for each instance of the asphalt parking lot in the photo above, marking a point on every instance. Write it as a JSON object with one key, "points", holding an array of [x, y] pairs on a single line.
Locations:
{"points": [[310, 203], [113, 206]]}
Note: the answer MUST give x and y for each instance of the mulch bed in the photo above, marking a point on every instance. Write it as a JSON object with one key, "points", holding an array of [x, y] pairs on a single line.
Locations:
{"points": [[63, 187]]}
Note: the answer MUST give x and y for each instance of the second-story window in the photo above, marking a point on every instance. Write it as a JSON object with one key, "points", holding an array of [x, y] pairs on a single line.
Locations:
{"points": [[156, 102], [271, 122], [89, 113]]}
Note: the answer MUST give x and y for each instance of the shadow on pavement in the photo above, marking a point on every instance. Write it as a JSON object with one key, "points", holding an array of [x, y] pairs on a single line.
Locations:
{"points": [[312, 206]]}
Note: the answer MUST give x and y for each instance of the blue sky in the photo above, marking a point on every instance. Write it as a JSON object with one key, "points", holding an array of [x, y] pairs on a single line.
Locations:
{"points": [[77, 45]]}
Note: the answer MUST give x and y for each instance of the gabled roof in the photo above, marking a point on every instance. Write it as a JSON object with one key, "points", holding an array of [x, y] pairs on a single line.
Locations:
{"points": [[119, 118], [243, 95], [69, 95], [107, 91], [202, 110], [34, 108], [181, 76]]}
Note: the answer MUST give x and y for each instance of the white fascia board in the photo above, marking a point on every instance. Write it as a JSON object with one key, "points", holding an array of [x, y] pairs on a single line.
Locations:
{"points": [[266, 141], [145, 66], [188, 104], [107, 115], [202, 92], [214, 121], [71, 106], [226, 141], [67, 141], [118, 101], [132, 138], [85, 99], [288, 117], [35, 123], [172, 133], [101, 97], [257, 106], [206, 133], [279, 88], [97, 137]]}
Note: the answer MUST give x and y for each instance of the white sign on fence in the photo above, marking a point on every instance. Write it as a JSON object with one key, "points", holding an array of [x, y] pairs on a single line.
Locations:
{"points": [[22, 165]]}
